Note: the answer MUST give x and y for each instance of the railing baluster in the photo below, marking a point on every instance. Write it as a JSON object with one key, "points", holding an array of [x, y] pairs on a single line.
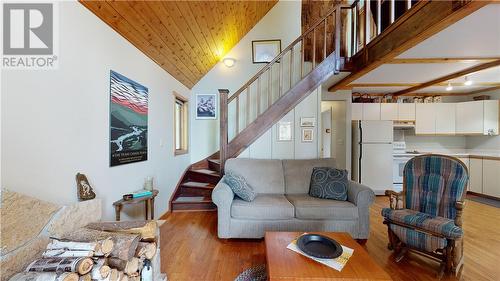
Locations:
{"points": [[338, 29], [269, 88], [291, 68], [392, 10], [358, 28], [280, 77], [353, 32], [314, 49], [301, 58], [367, 22], [248, 107], [324, 40], [258, 96], [379, 16], [408, 4], [237, 115]]}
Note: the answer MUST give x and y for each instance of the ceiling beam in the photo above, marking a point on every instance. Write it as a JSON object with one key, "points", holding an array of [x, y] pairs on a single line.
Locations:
{"points": [[440, 60], [448, 77], [376, 85], [423, 20]]}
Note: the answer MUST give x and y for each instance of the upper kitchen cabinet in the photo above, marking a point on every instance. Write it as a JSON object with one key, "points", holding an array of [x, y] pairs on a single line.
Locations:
{"points": [[477, 117], [445, 118], [357, 111], [406, 112], [371, 111], [389, 111], [425, 115]]}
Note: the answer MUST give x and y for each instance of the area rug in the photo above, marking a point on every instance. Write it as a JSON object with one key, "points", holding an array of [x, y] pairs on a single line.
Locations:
{"points": [[255, 273], [483, 200]]}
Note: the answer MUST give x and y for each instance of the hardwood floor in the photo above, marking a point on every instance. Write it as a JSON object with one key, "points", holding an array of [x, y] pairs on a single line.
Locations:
{"points": [[190, 249]]}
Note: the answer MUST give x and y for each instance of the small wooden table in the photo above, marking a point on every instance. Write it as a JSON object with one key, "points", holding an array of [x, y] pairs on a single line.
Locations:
{"points": [[149, 204], [285, 264]]}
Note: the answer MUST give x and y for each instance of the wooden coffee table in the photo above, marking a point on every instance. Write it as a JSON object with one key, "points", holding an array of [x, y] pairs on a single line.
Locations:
{"points": [[283, 263]]}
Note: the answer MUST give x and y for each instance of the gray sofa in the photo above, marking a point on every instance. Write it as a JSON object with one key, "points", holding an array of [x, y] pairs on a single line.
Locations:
{"points": [[283, 204]]}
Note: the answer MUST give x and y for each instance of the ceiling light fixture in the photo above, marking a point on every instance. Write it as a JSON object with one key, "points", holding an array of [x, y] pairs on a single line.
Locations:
{"points": [[467, 81], [449, 87], [229, 62]]}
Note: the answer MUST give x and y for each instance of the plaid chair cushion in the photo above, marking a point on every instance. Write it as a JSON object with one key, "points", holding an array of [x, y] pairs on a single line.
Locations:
{"points": [[433, 185], [423, 221], [417, 239]]}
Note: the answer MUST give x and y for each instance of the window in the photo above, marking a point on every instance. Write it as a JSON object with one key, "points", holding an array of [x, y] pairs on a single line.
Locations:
{"points": [[180, 124]]}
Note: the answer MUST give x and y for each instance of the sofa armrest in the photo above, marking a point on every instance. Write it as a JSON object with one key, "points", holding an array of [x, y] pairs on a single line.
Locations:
{"points": [[360, 195], [223, 196]]}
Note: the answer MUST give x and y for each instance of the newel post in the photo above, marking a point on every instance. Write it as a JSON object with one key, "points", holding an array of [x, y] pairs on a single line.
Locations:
{"points": [[223, 95]]}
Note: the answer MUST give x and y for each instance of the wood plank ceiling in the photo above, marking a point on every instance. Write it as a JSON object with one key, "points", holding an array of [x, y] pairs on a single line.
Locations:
{"points": [[185, 38]]}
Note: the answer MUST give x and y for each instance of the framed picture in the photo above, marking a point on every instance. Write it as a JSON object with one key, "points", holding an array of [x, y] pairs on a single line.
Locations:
{"points": [[128, 120], [264, 51], [206, 106], [284, 131], [307, 135], [307, 121]]}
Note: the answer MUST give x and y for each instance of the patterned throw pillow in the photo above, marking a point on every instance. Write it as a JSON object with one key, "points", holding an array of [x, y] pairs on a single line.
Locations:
{"points": [[329, 183], [240, 187]]}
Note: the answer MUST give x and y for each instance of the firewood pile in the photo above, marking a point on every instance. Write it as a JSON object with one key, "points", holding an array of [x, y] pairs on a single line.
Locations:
{"points": [[111, 251]]}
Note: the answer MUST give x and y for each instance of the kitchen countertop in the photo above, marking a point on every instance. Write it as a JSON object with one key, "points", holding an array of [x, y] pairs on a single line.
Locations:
{"points": [[473, 154]]}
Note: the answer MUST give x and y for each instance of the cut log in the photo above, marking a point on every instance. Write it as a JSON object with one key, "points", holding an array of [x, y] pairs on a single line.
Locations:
{"points": [[124, 244], [62, 253], [100, 248], [114, 274], [146, 250], [129, 267], [100, 271], [79, 265], [44, 276], [122, 276], [85, 277], [147, 229]]}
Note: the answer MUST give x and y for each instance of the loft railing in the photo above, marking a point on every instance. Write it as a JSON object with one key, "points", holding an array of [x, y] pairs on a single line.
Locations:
{"points": [[340, 33]]}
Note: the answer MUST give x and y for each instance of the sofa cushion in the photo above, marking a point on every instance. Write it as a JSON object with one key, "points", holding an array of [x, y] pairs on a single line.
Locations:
{"points": [[329, 183], [298, 173], [307, 207], [240, 187], [263, 207], [263, 175]]}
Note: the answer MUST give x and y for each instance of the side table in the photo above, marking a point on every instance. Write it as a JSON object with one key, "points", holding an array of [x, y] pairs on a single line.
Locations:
{"points": [[149, 205]]}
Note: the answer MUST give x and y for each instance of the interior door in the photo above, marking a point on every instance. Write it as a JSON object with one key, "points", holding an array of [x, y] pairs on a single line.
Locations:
{"points": [[326, 133]]}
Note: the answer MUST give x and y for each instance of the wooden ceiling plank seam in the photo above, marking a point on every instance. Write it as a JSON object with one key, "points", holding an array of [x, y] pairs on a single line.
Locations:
{"points": [[123, 27], [202, 24], [185, 11], [192, 31], [170, 28], [156, 26], [460, 73], [233, 27], [217, 31], [138, 22]]}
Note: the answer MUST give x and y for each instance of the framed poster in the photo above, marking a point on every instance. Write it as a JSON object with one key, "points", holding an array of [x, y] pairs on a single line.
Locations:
{"points": [[307, 135], [264, 51], [284, 131], [206, 106], [307, 121], [128, 120]]}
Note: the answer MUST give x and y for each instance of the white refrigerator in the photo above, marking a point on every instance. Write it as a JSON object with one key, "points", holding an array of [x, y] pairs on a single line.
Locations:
{"points": [[372, 154]]}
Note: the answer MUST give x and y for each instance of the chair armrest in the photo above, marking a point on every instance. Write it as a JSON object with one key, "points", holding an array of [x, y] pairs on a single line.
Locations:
{"points": [[360, 195], [459, 205], [396, 199]]}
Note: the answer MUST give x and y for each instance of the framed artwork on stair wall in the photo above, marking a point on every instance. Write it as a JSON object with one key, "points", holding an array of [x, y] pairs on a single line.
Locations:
{"points": [[128, 120], [206, 106], [264, 51]]}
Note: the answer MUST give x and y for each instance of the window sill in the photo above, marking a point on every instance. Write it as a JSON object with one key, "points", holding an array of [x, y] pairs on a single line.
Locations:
{"points": [[180, 152]]}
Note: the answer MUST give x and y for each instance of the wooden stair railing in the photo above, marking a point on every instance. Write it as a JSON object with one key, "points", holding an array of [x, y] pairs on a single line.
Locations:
{"points": [[279, 86]]}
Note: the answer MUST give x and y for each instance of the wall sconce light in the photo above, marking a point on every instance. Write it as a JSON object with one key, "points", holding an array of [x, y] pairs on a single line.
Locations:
{"points": [[467, 82], [229, 62], [449, 87]]}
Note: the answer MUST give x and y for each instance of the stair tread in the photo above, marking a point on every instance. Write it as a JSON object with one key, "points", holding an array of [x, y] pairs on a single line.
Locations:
{"points": [[204, 185], [207, 172], [191, 199], [217, 161]]}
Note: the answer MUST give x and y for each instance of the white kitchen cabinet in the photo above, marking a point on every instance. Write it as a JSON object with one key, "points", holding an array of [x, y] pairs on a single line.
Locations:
{"points": [[466, 162], [389, 111], [425, 115], [477, 117], [476, 175], [357, 111], [491, 177], [406, 112], [371, 111], [445, 118]]}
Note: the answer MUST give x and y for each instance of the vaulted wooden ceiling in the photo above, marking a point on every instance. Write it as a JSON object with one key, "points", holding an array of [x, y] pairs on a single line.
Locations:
{"points": [[186, 38]]}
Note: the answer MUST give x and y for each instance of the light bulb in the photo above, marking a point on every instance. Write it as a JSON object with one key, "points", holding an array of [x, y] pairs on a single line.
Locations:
{"points": [[229, 62], [449, 87]]}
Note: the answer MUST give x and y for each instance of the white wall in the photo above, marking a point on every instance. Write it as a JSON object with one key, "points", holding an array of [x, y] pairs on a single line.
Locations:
{"points": [[56, 123], [485, 142], [281, 22]]}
